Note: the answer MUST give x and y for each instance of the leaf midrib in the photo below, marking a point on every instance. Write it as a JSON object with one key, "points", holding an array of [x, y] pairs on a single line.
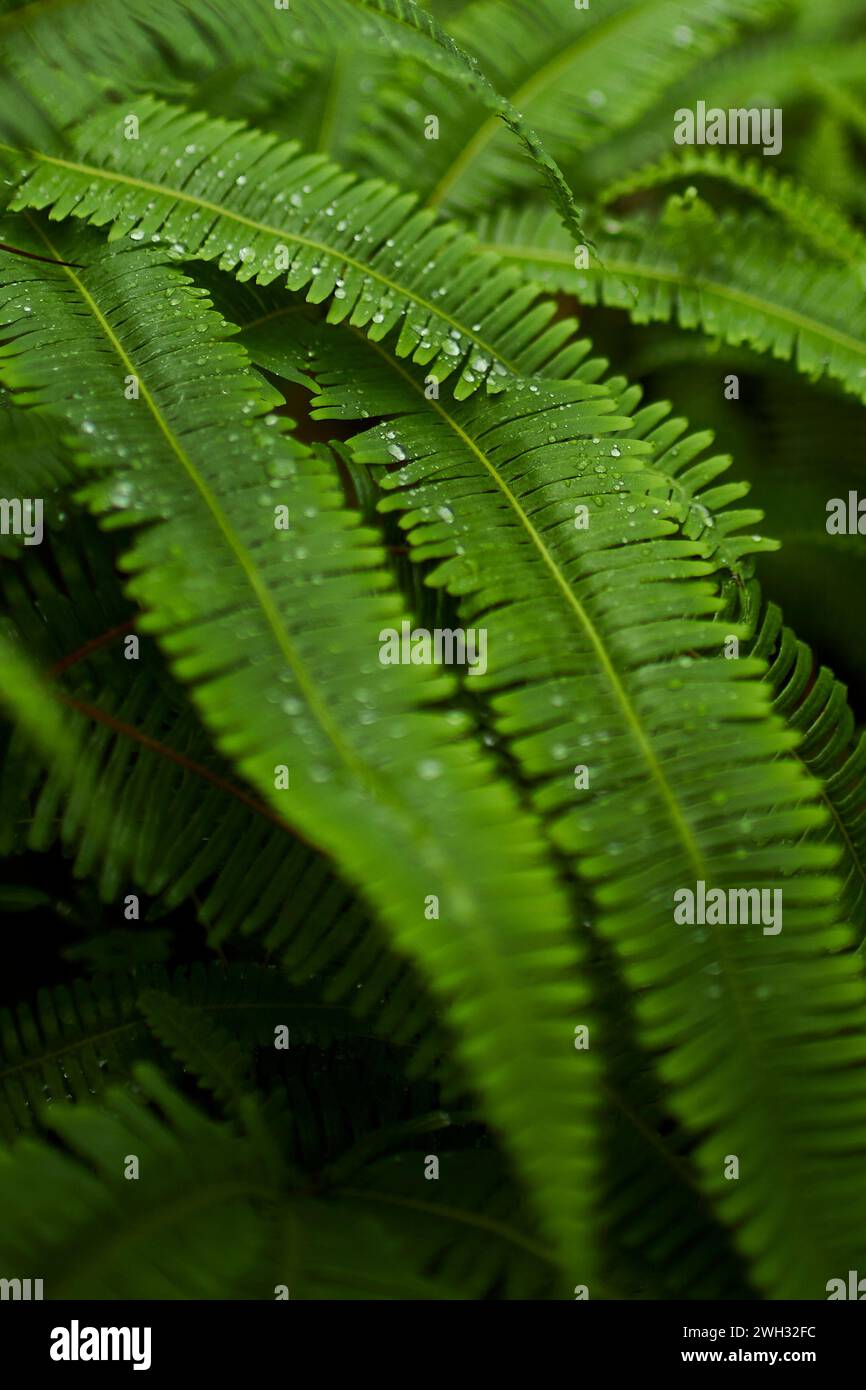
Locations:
{"points": [[458, 1215], [678, 820], [675, 814], [746, 298], [264, 599]]}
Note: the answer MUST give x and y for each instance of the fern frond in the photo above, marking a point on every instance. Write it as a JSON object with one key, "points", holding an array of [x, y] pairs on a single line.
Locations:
{"points": [[269, 212], [357, 380], [466, 69], [481, 1243], [779, 70], [730, 285], [608, 676], [577, 74], [139, 746], [341, 1251], [636, 894], [666, 1242], [813, 218], [212, 1055], [75, 1040], [65, 57], [28, 705], [813, 702], [32, 465], [99, 1236], [129, 40], [328, 108], [377, 776], [827, 163]]}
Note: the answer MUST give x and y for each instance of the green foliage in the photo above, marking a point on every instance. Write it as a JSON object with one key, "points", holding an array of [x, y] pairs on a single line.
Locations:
{"points": [[293, 215], [578, 74], [376, 967], [812, 217], [721, 276]]}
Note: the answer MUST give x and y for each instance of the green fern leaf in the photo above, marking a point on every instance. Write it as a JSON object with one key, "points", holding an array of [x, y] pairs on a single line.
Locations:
{"points": [[577, 74], [727, 286], [782, 70], [815, 219], [213, 1056], [98, 1236], [75, 1040], [228, 610], [32, 465], [620, 610], [479, 1244], [813, 702], [133, 39], [139, 747], [360, 245], [94, 1235]]}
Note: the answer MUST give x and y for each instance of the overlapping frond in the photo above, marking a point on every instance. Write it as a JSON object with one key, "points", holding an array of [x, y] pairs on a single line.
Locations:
{"points": [[470, 883], [577, 73], [75, 1040], [32, 467], [397, 792], [135, 746], [375, 1233], [814, 218], [141, 41], [737, 284], [811, 700], [780, 69], [96, 1235], [356, 380], [598, 630], [218, 191]]}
